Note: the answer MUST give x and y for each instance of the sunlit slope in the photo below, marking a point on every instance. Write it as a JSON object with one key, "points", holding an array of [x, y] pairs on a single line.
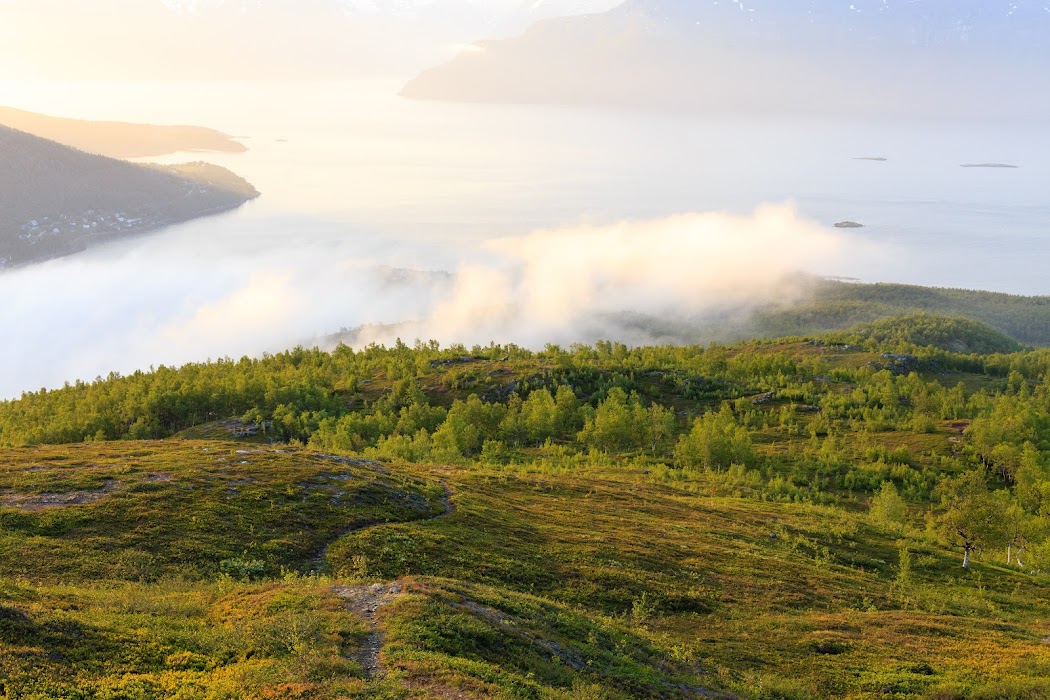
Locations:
{"points": [[58, 200], [773, 519], [128, 569], [140, 511], [606, 582], [765, 600]]}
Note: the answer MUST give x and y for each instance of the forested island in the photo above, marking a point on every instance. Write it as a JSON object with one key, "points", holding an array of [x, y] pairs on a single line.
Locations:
{"points": [[58, 200], [853, 514]]}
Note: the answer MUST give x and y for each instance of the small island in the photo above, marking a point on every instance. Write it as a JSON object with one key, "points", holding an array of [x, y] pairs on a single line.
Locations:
{"points": [[848, 224]]}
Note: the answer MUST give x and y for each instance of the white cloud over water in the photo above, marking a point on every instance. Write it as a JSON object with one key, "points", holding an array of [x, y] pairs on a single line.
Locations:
{"points": [[170, 299], [565, 285]]}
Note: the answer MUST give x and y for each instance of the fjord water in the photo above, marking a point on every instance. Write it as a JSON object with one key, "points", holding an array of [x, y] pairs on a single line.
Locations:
{"points": [[357, 180]]}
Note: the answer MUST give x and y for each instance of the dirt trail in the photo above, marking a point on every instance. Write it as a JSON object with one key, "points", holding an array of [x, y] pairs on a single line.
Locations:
{"points": [[57, 500], [366, 600], [448, 508]]}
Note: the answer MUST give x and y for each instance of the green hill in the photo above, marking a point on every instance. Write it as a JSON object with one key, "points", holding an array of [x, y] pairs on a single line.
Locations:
{"points": [[771, 519], [840, 305], [922, 330], [58, 200]]}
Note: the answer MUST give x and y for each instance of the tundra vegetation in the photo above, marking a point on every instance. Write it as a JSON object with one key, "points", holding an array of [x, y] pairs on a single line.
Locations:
{"points": [[861, 514]]}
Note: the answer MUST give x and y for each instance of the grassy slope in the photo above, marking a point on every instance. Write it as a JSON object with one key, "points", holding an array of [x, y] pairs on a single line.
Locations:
{"points": [[601, 580], [146, 510], [615, 582], [699, 578]]}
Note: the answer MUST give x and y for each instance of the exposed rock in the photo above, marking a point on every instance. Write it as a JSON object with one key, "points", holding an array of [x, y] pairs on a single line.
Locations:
{"points": [[464, 360], [41, 501], [765, 398], [901, 364]]}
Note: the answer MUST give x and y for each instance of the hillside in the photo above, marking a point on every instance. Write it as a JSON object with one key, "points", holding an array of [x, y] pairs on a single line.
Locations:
{"points": [[933, 58], [57, 200], [840, 305], [818, 306], [799, 519], [119, 139]]}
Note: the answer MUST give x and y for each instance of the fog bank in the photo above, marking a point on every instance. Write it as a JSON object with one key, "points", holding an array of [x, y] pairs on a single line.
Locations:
{"points": [[582, 284], [159, 302]]}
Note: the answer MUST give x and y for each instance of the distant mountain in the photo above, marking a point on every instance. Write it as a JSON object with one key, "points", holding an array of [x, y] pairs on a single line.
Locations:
{"points": [[56, 200], [936, 58], [119, 139]]}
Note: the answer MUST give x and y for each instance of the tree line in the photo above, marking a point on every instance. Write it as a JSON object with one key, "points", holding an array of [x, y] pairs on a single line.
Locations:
{"points": [[957, 443]]}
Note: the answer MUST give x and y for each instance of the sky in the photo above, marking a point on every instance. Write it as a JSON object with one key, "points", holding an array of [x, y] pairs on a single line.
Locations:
{"points": [[251, 39]]}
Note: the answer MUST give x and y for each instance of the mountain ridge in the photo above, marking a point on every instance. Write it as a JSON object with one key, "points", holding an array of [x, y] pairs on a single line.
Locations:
{"points": [[118, 139], [962, 61]]}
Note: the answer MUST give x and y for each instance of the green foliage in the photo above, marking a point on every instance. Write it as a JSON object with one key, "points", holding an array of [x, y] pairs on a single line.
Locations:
{"points": [[922, 330], [612, 426], [715, 442], [888, 508], [142, 511], [618, 523], [245, 569], [970, 512], [836, 306]]}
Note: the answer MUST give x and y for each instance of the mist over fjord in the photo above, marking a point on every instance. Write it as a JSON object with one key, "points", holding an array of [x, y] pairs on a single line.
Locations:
{"points": [[509, 222], [510, 206]]}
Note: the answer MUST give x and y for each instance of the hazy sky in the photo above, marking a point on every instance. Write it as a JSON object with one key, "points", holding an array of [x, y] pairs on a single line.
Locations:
{"points": [[256, 39]]}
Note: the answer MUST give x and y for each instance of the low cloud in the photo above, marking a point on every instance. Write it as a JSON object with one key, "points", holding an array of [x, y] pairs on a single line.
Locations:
{"points": [[191, 294], [585, 283]]}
